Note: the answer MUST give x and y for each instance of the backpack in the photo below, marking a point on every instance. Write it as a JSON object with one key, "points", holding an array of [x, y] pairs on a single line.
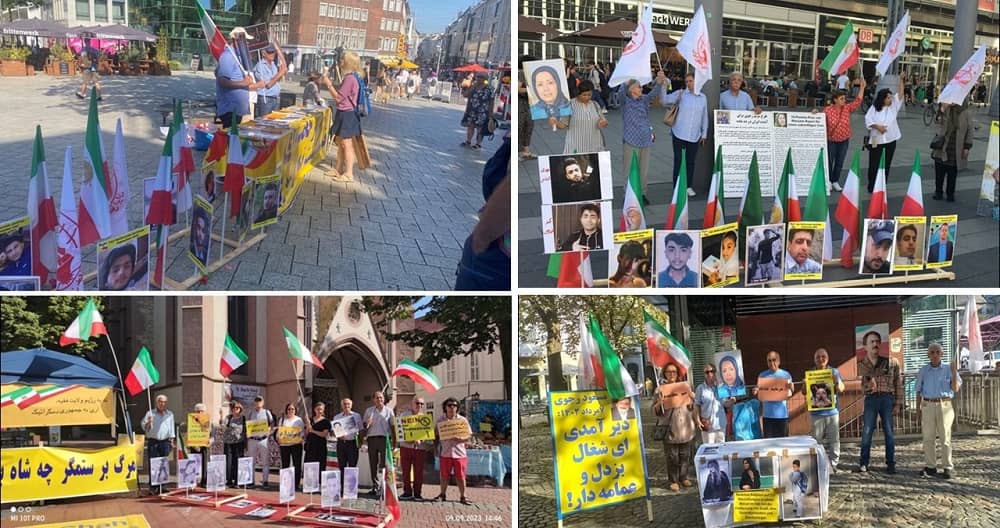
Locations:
{"points": [[364, 106]]}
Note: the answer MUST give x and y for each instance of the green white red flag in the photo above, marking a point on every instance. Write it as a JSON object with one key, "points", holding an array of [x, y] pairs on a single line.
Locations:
{"points": [[714, 215], [118, 191], [86, 325], [142, 375], [232, 357], [235, 178], [391, 497], [677, 213], [69, 272], [182, 157], [617, 380], [844, 53], [663, 347], [161, 209], [23, 397], [913, 203], [44, 221], [879, 206], [94, 216], [786, 198], [816, 207], [299, 351], [848, 213], [751, 209], [633, 198], [419, 374], [216, 41]]}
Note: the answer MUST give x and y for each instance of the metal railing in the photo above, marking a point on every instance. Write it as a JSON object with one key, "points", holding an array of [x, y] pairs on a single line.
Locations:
{"points": [[977, 403]]}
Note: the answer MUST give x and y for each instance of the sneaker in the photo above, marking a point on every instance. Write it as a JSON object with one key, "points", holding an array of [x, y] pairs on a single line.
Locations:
{"points": [[604, 110], [928, 472], [674, 486], [861, 469], [80, 95], [836, 186], [691, 192], [946, 475], [891, 469]]}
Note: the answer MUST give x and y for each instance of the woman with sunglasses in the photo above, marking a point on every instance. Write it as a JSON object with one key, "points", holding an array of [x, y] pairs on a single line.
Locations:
{"points": [[710, 410], [452, 452], [290, 443]]}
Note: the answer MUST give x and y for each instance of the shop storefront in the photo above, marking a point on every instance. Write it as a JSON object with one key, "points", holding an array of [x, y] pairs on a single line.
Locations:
{"points": [[180, 19]]}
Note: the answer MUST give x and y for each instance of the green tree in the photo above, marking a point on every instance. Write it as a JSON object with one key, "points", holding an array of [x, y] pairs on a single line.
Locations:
{"points": [[463, 325], [32, 322]]}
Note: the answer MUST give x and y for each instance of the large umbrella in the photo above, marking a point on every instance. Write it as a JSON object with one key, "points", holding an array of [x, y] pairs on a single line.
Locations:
{"points": [[471, 68], [530, 28], [610, 33], [33, 27], [43, 366]]}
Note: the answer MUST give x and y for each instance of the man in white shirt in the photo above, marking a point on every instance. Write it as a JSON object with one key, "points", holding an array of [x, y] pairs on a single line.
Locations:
{"points": [[379, 426]]}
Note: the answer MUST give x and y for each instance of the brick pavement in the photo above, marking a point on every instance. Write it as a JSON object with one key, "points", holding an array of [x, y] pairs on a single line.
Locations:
{"points": [[856, 500], [399, 226], [977, 250]]}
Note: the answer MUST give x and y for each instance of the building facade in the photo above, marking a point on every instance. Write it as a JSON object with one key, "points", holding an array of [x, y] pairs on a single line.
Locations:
{"points": [[788, 37], [179, 18], [480, 34], [87, 12]]}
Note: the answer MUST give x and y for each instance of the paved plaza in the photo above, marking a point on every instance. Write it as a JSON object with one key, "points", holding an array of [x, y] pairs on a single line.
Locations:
{"points": [[976, 252], [399, 226], [856, 500]]}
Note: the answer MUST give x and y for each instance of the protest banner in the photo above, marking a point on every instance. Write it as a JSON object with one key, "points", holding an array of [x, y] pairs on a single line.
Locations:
{"points": [[289, 435], [772, 389], [44, 473], [73, 405], [456, 428], [124, 521], [597, 461], [989, 190], [123, 261], [257, 427], [417, 427], [15, 236], [756, 506], [821, 390], [740, 133], [199, 429], [673, 395]]}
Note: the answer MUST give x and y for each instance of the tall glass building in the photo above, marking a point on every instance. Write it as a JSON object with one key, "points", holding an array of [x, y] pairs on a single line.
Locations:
{"points": [[180, 19]]}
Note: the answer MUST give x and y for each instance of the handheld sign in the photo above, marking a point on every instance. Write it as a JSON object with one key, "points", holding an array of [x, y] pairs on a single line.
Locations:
{"points": [[674, 395], [772, 389], [344, 426], [257, 427], [455, 428], [199, 429], [289, 435], [821, 393], [416, 427]]}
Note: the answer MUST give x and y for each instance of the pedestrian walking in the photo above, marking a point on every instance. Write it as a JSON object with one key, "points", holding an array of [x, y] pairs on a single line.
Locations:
{"points": [[380, 425], [838, 131], [453, 455], [680, 428], [89, 62], [936, 386], [258, 445], [826, 423], [690, 129], [477, 111], [951, 154], [413, 455], [637, 134], [290, 444], [883, 384], [883, 128], [234, 440], [585, 127]]}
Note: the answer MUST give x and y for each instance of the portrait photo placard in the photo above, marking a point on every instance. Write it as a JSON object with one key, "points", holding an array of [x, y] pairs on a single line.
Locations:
{"points": [[350, 482], [804, 250], [330, 494], [266, 201], [877, 244], [123, 261], [286, 485], [159, 470], [720, 256], [911, 235], [20, 283], [941, 238], [187, 472], [216, 478], [577, 227], [871, 337], [799, 477], [632, 260], [713, 482], [765, 254], [821, 390], [15, 248], [678, 259], [580, 177], [729, 372], [200, 236], [548, 91]]}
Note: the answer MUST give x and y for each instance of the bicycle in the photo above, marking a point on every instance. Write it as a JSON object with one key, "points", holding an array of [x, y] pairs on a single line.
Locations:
{"points": [[930, 114]]}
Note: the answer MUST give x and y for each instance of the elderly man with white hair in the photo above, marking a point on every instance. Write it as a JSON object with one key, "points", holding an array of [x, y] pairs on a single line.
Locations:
{"points": [[734, 98]]}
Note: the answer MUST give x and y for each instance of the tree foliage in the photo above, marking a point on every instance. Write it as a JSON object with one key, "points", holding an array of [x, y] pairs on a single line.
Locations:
{"points": [[467, 325], [32, 322]]}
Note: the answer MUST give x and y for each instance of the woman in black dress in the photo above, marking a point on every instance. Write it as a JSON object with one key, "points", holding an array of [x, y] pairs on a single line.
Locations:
{"points": [[319, 430], [751, 477]]}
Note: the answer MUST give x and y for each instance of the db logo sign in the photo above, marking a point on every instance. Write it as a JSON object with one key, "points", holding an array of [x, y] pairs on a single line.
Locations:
{"points": [[866, 36]]}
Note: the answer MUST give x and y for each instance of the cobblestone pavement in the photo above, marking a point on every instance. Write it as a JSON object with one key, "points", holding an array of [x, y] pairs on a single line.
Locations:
{"points": [[491, 508], [399, 226], [976, 252], [856, 500]]}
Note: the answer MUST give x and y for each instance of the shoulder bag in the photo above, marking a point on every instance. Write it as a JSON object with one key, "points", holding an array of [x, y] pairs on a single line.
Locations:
{"points": [[670, 117]]}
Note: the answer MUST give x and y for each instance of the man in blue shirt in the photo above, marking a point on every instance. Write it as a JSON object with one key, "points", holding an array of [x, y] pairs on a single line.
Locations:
{"points": [[710, 410], [936, 386], [690, 129], [232, 89], [269, 72], [826, 423], [735, 98], [775, 416], [678, 251]]}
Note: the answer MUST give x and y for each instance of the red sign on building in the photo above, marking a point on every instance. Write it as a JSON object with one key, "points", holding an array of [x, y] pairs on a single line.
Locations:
{"points": [[866, 36]]}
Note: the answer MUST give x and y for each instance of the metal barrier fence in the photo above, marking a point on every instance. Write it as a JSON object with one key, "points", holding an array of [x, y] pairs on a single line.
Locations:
{"points": [[977, 403]]}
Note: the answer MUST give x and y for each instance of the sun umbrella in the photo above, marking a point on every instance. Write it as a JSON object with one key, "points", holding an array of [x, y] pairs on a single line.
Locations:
{"points": [[471, 68], [34, 27]]}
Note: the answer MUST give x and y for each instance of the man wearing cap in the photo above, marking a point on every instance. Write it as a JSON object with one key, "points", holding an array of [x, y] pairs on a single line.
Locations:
{"points": [[269, 73], [257, 445], [232, 86], [878, 247], [936, 386]]}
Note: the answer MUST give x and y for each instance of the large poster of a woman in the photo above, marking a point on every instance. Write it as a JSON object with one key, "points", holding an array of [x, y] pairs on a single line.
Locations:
{"points": [[548, 91]]}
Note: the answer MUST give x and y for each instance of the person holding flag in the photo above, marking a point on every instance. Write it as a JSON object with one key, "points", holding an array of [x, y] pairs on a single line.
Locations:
{"points": [[232, 85], [882, 125], [952, 155], [690, 129], [838, 131], [637, 134]]}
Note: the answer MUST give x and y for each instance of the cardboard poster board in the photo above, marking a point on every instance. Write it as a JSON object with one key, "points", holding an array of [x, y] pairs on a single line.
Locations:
{"points": [[729, 371], [678, 259], [417, 427], [871, 336], [123, 261], [456, 428], [631, 260], [673, 395], [199, 427], [772, 389], [289, 435], [55, 406], [257, 427], [821, 390]]}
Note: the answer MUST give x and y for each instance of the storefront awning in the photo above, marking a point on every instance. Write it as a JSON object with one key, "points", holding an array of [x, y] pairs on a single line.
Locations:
{"points": [[613, 33]]}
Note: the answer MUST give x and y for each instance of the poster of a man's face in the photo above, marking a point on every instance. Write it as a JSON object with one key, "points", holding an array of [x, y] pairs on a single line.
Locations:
{"points": [[201, 234], [871, 339], [804, 252], [123, 262], [576, 227], [548, 92], [765, 247], [208, 179], [15, 248], [578, 177], [876, 249], [941, 244], [242, 223], [909, 254], [267, 198], [678, 259], [330, 494]]}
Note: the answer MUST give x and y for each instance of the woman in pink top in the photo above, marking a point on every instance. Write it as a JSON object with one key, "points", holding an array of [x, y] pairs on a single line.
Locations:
{"points": [[453, 456], [346, 123]]}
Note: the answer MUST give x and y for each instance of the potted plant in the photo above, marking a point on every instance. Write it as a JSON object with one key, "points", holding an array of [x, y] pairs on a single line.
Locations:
{"points": [[60, 61], [12, 62]]}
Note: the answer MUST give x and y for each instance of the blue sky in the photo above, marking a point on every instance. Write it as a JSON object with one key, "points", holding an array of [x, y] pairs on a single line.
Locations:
{"points": [[432, 16]]}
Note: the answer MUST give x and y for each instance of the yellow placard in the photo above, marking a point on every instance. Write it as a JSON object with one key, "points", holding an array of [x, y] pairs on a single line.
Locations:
{"points": [[257, 427], [756, 506], [817, 229], [199, 430], [911, 223], [289, 435], [599, 460], [76, 405], [417, 427], [455, 428], [934, 242], [821, 390], [127, 521], [43, 473], [139, 445]]}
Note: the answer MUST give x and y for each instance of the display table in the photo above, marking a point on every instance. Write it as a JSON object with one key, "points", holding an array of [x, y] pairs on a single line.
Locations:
{"points": [[505, 452], [484, 462]]}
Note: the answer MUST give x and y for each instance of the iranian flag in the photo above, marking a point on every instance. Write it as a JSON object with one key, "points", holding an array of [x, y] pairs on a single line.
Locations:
{"points": [[844, 53], [848, 213], [162, 241], [118, 192], [218, 147], [751, 210], [161, 210], [419, 374], [69, 273], [633, 197], [22, 397], [182, 157], [714, 215], [617, 380], [634, 62], [816, 206], [216, 41], [913, 203], [299, 351], [663, 347], [94, 217], [235, 178], [86, 325], [571, 269], [879, 206], [142, 375], [591, 376], [44, 222], [232, 357], [786, 198], [391, 497], [677, 213]]}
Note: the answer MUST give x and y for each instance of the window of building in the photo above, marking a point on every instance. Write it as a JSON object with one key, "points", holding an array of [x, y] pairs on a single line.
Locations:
{"points": [[450, 371], [82, 9], [474, 367], [118, 11], [364, 15], [322, 9]]}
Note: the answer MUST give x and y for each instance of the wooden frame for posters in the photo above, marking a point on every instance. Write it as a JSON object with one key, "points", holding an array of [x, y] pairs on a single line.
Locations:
{"points": [[295, 515], [181, 495]]}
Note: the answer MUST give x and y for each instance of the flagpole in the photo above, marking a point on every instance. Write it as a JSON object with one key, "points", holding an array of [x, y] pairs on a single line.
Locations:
{"points": [[118, 369], [222, 237]]}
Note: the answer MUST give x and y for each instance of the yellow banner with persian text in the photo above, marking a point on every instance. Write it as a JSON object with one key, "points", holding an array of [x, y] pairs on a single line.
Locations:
{"points": [[43, 473], [126, 521], [52, 405]]}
